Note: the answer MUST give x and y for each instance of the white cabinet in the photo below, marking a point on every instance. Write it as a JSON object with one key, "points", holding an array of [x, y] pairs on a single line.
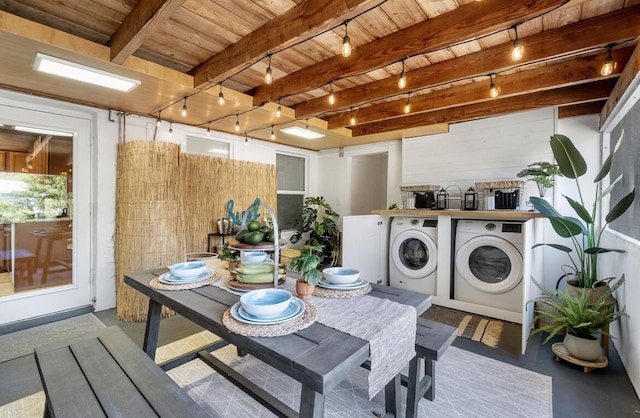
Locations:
{"points": [[365, 244]]}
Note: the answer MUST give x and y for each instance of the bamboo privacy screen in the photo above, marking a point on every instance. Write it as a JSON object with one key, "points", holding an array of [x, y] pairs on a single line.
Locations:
{"points": [[168, 202], [207, 184]]}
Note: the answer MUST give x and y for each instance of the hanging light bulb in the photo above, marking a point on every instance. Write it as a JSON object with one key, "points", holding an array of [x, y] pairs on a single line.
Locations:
{"points": [[246, 140], [332, 97], [346, 41], [518, 50], [279, 110], [352, 119], [273, 135], [237, 127], [493, 90], [209, 129], [407, 106], [171, 129], [607, 67], [402, 82], [268, 75], [183, 112], [159, 120], [220, 95]]}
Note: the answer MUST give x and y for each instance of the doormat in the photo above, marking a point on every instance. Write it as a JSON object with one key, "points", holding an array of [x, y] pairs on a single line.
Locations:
{"points": [[492, 332]]}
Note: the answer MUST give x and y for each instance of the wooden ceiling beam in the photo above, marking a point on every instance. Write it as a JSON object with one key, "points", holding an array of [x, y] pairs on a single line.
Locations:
{"points": [[562, 74], [599, 31], [464, 23], [624, 94], [145, 18], [582, 93], [308, 16], [581, 109]]}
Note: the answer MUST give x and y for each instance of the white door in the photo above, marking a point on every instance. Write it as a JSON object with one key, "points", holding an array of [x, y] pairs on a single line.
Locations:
{"points": [[365, 239], [74, 228]]}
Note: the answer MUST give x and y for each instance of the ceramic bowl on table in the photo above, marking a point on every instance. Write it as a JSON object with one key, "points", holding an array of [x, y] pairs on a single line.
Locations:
{"points": [[254, 256], [188, 269], [265, 303], [341, 275]]}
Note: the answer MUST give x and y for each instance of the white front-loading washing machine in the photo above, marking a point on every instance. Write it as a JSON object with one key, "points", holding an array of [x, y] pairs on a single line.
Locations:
{"points": [[489, 265], [413, 254]]}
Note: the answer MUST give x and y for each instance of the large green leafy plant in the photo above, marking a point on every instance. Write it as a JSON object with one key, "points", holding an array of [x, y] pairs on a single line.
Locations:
{"points": [[562, 310], [307, 264], [585, 230], [319, 220]]}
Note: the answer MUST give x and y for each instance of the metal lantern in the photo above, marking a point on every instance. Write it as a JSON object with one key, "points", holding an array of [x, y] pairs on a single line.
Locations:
{"points": [[471, 199], [441, 199]]}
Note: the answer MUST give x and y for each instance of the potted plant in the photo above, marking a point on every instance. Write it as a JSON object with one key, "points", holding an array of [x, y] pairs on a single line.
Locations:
{"points": [[579, 317], [307, 265], [318, 220], [230, 255], [543, 174], [585, 230]]}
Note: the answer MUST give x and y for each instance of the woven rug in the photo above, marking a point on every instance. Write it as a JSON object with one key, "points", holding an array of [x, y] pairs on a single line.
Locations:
{"points": [[467, 385], [492, 332]]}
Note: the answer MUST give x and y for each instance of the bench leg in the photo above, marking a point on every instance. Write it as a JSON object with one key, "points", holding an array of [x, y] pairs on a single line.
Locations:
{"points": [[392, 401], [429, 370], [311, 403], [412, 388]]}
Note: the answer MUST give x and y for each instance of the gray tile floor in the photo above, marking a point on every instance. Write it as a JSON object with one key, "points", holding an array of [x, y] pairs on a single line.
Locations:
{"points": [[601, 393]]}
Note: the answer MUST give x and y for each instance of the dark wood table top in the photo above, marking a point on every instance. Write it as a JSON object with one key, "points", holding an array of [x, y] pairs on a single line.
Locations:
{"points": [[319, 356]]}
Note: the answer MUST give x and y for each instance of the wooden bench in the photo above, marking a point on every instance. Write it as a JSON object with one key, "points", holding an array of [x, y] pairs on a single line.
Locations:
{"points": [[108, 375], [432, 340]]}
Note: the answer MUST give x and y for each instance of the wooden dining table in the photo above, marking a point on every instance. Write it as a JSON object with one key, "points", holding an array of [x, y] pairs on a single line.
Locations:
{"points": [[319, 357]]}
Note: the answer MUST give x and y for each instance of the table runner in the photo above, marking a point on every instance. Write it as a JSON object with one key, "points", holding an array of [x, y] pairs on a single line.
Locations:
{"points": [[389, 327]]}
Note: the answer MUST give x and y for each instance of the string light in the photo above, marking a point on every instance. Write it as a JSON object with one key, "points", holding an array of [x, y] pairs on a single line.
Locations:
{"points": [[607, 67], [209, 129], [279, 110], [273, 135], [346, 41], [237, 127], [268, 75], [518, 50], [220, 95], [402, 82], [171, 129], [332, 97], [407, 106], [493, 90], [183, 112], [307, 124], [246, 140], [352, 119], [159, 120]]}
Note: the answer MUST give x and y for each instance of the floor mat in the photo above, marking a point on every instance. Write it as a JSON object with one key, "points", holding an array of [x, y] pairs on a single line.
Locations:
{"points": [[492, 332]]}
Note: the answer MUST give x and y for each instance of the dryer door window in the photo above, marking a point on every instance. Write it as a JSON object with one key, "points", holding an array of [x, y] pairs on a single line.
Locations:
{"points": [[490, 264], [414, 254]]}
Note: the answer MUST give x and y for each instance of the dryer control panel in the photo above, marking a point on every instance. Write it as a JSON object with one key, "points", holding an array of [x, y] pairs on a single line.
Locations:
{"points": [[515, 228]]}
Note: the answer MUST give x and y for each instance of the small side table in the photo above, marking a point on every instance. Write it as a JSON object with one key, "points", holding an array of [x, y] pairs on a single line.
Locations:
{"points": [[215, 234], [562, 353]]}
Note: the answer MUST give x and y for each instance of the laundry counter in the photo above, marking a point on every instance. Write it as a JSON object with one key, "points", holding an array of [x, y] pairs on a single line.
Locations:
{"points": [[505, 215]]}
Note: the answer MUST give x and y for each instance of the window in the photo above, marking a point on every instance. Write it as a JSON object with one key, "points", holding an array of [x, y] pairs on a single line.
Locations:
{"points": [[208, 147], [291, 181]]}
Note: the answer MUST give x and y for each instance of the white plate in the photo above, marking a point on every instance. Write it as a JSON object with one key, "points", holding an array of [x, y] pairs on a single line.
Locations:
{"points": [[168, 278], [294, 310], [351, 286]]}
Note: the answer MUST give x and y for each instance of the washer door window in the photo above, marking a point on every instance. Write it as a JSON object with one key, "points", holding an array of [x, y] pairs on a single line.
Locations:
{"points": [[490, 264], [414, 254]]}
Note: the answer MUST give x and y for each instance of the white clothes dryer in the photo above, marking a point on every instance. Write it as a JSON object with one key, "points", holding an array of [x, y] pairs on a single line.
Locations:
{"points": [[413, 254], [489, 264]]}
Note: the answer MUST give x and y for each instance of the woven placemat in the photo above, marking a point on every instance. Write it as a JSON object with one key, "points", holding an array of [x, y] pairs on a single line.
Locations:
{"points": [[158, 285], [323, 292], [305, 320]]}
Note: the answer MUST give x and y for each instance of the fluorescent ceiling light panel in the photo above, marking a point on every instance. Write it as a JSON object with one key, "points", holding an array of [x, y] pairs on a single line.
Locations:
{"points": [[41, 131], [78, 72], [302, 132]]}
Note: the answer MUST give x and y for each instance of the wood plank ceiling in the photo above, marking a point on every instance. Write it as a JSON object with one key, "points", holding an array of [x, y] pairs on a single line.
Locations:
{"points": [[190, 51]]}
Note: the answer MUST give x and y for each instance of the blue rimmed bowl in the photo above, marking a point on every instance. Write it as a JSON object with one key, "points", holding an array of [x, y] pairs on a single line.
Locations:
{"points": [[341, 275], [188, 269], [266, 303]]}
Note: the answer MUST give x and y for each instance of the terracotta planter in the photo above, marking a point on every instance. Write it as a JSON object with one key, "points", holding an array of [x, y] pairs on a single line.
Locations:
{"points": [[304, 290], [582, 348]]}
